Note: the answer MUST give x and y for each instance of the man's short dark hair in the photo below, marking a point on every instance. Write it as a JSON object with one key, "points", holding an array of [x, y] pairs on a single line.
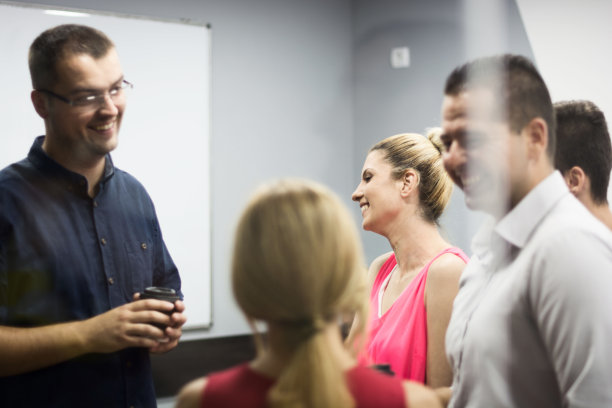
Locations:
{"points": [[60, 42], [583, 140], [517, 83]]}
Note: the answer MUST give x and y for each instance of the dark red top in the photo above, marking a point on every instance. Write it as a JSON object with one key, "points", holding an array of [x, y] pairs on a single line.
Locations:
{"points": [[240, 386]]}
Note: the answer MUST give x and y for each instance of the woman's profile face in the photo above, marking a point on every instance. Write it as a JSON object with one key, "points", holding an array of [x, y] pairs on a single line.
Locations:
{"points": [[378, 194]]}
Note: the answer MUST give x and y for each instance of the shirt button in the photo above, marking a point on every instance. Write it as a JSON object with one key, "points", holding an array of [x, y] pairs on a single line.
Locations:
{"points": [[103, 241], [143, 245], [111, 281], [95, 204]]}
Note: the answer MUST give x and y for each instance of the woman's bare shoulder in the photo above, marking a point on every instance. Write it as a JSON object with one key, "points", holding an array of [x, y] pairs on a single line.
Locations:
{"points": [[446, 266], [443, 276], [190, 396]]}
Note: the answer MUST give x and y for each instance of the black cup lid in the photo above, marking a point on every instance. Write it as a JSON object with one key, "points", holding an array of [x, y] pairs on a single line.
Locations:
{"points": [[161, 293]]}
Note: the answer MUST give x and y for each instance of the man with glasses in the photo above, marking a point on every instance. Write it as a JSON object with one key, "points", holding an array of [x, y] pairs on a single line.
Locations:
{"points": [[79, 240]]}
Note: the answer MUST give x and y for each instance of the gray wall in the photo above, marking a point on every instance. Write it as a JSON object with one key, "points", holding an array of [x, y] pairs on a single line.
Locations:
{"points": [[304, 88], [441, 34]]}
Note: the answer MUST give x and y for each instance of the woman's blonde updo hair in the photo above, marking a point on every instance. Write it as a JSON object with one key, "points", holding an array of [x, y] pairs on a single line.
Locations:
{"points": [[298, 264], [413, 151]]}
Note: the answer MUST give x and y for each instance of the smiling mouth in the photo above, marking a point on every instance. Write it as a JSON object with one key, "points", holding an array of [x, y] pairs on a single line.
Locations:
{"points": [[470, 181], [104, 127], [364, 207]]}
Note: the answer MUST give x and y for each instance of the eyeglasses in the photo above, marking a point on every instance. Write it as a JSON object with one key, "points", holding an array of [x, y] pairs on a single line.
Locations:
{"points": [[93, 100]]}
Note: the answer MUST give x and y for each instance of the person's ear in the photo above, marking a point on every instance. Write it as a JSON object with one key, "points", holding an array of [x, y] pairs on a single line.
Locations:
{"points": [[40, 104], [576, 180], [410, 181], [537, 137]]}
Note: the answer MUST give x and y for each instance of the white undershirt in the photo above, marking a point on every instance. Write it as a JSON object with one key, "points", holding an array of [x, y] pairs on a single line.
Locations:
{"points": [[382, 289]]}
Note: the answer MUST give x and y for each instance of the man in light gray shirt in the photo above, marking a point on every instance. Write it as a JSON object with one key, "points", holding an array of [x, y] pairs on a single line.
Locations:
{"points": [[532, 322]]}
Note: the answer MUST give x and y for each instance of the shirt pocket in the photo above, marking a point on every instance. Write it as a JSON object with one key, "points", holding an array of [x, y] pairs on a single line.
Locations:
{"points": [[139, 274]]}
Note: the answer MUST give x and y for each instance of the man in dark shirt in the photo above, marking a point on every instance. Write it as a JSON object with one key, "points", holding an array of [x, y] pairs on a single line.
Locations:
{"points": [[79, 240]]}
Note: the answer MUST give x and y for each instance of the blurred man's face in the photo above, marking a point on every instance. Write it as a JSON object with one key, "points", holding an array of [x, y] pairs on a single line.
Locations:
{"points": [[482, 156]]}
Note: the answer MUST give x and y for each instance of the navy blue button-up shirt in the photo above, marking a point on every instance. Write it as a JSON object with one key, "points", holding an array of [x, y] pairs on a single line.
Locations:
{"points": [[65, 256]]}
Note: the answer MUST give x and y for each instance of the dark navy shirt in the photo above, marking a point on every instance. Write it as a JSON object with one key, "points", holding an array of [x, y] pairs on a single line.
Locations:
{"points": [[65, 256]]}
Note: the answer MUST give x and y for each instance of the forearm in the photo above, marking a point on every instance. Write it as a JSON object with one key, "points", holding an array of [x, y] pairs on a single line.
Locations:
{"points": [[444, 394], [28, 349], [438, 371], [130, 325], [440, 291]]}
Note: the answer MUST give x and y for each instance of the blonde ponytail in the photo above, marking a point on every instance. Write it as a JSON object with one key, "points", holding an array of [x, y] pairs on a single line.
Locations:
{"points": [[312, 379], [298, 264]]}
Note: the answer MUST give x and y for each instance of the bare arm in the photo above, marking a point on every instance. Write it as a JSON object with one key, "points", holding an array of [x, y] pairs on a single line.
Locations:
{"points": [[440, 291], [420, 396], [28, 349], [190, 395], [444, 394]]}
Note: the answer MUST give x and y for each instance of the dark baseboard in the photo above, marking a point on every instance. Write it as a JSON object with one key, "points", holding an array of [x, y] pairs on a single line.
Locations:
{"points": [[196, 358]]}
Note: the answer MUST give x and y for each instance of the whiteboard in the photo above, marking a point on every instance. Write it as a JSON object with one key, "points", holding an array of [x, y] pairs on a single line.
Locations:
{"points": [[164, 136]]}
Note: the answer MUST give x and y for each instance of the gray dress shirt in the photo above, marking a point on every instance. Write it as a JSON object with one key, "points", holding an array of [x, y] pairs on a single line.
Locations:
{"points": [[532, 322]]}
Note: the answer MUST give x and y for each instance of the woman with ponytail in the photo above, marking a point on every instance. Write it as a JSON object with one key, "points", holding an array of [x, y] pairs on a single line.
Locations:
{"points": [[403, 191], [298, 267]]}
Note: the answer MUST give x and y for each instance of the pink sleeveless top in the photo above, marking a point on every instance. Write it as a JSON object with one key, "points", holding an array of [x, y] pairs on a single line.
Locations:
{"points": [[399, 337]]}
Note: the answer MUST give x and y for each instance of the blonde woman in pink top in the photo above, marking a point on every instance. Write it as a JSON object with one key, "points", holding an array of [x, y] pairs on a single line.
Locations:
{"points": [[403, 191]]}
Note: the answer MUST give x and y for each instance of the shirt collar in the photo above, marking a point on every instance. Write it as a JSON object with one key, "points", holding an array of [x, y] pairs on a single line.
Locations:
{"points": [[70, 179], [109, 168], [46, 164], [481, 242], [517, 226]]}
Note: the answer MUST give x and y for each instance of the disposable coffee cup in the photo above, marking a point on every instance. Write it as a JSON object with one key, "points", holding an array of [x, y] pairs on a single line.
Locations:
{"points": [[160, 293]]}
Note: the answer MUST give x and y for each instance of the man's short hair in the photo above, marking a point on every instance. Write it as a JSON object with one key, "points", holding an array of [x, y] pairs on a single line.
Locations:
{"points": [[515, 80], [583, 140], [60, 42]]}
